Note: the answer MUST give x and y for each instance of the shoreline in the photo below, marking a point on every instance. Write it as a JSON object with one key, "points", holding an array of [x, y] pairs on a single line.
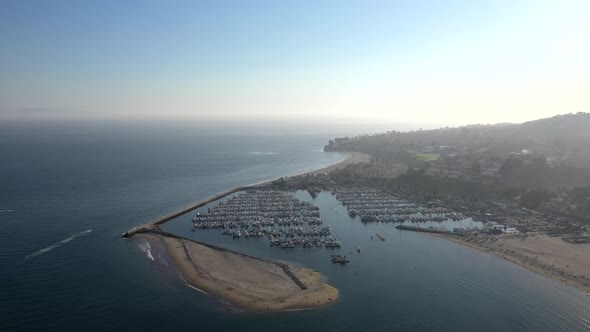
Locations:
{"points": [[245, 282], [549, 257]]}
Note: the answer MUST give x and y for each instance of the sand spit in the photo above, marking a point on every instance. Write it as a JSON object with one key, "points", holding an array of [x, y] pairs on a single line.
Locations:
{"points": [[548, 256], [246, 282]]}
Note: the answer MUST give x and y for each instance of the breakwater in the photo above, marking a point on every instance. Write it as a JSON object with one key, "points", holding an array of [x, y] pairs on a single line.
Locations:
{"points": [[154, 225]]}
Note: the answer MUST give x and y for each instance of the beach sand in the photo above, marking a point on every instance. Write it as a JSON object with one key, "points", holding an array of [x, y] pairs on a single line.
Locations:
{"points": [[548, 256], [245, 282], [351, 158]]}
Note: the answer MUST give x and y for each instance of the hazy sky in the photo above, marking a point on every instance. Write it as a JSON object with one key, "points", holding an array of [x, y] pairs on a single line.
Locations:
{"points": [[414, 61]]}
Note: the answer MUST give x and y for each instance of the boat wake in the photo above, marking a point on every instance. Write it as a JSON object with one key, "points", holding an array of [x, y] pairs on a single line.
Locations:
{"points": [[57, 244], [257, 153], [145, 247]]}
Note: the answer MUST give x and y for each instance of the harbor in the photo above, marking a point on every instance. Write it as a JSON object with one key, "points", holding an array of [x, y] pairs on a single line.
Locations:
{"points": [[373, 205], [278, 216]]}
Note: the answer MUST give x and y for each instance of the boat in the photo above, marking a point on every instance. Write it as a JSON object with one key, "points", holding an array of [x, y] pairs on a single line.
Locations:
{"points": [[358, 249], [339, 259]]}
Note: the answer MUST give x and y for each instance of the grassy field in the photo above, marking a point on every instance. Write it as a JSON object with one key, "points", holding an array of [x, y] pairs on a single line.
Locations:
{"points": [[426, 156]]}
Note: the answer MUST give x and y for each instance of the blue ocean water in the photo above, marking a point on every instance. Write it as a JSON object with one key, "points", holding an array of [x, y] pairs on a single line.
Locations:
{"points": [[68, 191]]}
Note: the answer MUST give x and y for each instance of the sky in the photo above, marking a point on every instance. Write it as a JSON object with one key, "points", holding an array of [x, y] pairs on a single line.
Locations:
{"points": [[447, 62]]}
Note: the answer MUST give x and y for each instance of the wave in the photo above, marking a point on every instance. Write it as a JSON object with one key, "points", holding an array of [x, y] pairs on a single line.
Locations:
{"points": [[191, 286], [57, 244], [6, 211], [258, 153], [145, 247], [195, 288]]}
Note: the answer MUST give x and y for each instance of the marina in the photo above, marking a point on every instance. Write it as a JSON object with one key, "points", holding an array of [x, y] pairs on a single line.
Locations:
{"points": [[373, 205], [286, 221]]}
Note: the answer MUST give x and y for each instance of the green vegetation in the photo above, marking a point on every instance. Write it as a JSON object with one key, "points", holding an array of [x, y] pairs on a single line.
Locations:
{"points": [[426, 157]]}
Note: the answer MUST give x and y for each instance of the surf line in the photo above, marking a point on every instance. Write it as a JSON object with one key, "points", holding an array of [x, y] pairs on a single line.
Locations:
{"points": [[57, 244]]}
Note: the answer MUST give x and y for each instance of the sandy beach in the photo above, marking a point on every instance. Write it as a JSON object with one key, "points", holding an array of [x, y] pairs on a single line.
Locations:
{"points": [[548, 256], [246, 282], [351, 158]]}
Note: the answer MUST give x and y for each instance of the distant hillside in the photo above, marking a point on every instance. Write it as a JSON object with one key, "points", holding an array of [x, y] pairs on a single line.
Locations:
{"points": [[563, 138]]}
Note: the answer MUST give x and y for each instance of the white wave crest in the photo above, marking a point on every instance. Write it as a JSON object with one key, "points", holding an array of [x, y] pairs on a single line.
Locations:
{"points": [[195, 288], [6, 211], [57, 244], [189, 285], [145, 247]]}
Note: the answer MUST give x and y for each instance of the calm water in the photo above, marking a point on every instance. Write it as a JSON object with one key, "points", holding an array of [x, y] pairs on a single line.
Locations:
{"points": [[58, 182]]}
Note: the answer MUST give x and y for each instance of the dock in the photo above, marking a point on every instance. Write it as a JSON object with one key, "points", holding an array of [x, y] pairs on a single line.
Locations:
{"points": [[380, 237], [426, 230]]}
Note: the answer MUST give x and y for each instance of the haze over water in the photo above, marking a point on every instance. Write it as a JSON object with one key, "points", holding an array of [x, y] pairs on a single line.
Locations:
{"points": [[61, 181]]}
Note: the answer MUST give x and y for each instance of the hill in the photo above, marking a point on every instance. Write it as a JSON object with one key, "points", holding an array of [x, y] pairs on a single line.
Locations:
{"points": [[562, 139]]}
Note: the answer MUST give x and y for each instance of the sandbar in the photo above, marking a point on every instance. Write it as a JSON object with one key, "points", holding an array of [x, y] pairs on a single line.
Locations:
{"points": [[246, 282]]}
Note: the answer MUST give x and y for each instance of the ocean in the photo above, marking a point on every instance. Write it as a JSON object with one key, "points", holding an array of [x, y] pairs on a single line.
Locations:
{"points": [[69, 190]]}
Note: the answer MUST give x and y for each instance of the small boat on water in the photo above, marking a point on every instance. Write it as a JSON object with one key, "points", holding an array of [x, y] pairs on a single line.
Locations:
{"points": [[339, 259], [358, 249]]}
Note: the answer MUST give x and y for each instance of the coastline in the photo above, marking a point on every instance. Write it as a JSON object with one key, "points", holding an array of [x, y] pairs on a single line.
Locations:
{"points": [[350, 158], [547, 256], [243, 281]]}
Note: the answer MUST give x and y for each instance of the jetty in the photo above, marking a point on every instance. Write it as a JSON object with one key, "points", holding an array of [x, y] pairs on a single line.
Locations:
{"points": [[154, 225]]}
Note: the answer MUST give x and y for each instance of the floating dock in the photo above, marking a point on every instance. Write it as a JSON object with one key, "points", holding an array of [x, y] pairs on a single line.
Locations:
{"points": [[380, 237], [426, 230]]}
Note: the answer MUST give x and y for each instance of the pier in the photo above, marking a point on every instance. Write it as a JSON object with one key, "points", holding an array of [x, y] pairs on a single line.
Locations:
{"points": [[426, 230]]}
